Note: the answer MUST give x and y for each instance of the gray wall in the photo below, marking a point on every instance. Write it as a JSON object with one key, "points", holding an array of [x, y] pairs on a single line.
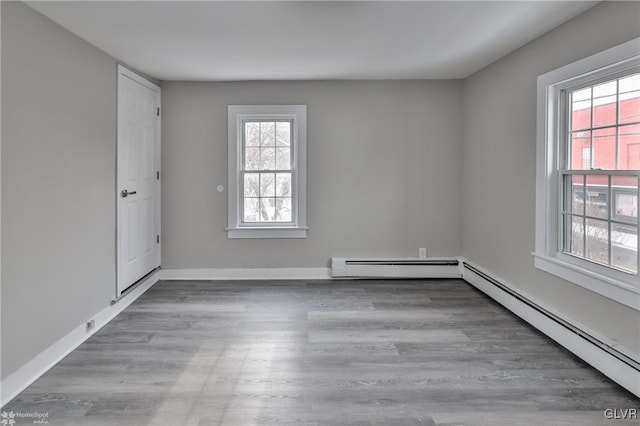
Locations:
{"points": [[499, 166], [384, 176], [58, 180]]}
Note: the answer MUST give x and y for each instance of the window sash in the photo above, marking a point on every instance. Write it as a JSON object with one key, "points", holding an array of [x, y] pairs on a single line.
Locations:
{"points": [[292, 142], [243, 197], [565, 198]]}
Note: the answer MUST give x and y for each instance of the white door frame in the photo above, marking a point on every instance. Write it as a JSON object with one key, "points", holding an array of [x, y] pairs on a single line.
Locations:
{"points": [[126, 73]]}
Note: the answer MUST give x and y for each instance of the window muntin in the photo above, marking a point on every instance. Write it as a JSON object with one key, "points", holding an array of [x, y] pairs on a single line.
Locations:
{"points": [[267, 174], [599, 177]]}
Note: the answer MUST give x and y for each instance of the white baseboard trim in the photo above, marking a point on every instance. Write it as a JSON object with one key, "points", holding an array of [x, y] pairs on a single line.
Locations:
{"points": [[611, 366], [18, 381], [215, 274]]}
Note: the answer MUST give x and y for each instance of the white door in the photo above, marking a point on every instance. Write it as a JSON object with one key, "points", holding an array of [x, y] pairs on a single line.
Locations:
{"points": [[138, 178]]}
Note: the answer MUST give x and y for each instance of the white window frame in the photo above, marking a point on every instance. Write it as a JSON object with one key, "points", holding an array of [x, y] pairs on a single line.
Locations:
{"points": [[616, 285], [297, 228]]}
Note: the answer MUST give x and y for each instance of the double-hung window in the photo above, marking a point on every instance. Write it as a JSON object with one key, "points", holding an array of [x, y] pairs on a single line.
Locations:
{"points": [[588, 172], [267, 171]]}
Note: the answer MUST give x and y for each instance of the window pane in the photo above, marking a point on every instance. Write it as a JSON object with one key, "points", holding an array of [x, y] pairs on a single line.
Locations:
{"points": [[267, 209], [252, 134], [573, 194], [267, 185], [604, 104], [597, 196], [629, 99], [586, 158], [624, 247], [251, 158], [283, 133], [604, 149], [268, 159], [283, 185], [580, 150], [283, 159], [627, 205], [251, 210], [268, 133], [581, 109], [629, 147], [604, 90], [629, 84], [625, 196], [574, 235], [597, 241], [283, 209], [251, 184]]}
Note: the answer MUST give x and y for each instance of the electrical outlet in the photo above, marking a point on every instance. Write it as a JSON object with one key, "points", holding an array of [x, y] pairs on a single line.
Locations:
{"points": [[422, 253], [91, 324]]}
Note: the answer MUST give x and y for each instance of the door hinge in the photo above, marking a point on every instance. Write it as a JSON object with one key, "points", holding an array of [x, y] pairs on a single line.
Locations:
{"points": [[158, 112], [158, 239], [158, 175]]}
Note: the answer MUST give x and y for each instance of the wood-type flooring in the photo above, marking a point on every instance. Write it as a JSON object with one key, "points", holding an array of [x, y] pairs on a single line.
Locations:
{"points": [[363, 352]]}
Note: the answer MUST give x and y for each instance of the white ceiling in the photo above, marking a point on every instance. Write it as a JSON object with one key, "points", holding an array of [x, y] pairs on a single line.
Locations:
{"points": [[268, 40]]}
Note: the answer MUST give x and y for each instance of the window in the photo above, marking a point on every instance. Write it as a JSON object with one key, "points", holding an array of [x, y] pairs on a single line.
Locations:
{"points": [[602, 118], [267, 171], [588, 165]]}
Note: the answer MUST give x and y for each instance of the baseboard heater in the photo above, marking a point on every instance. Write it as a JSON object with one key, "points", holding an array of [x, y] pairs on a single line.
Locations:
{"points": [[589, 338], [395, 268]]}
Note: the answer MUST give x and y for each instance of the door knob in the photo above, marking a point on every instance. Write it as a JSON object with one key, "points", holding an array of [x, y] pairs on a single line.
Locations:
{"points": [[126, 193]]}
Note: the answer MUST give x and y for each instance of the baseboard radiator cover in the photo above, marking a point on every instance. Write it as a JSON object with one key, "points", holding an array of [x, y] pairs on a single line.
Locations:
{"points": [[395, 268], [615, 364]]}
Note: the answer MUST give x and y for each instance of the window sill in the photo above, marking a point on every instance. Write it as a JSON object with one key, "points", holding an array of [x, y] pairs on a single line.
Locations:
{"points": [[266, 232], [620, 291]]}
